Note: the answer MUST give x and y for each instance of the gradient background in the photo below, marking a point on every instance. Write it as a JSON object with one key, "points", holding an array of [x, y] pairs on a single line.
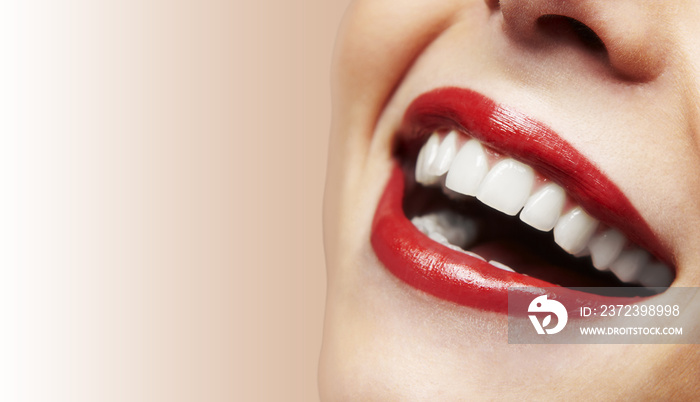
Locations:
{"points": [[162, 168]]}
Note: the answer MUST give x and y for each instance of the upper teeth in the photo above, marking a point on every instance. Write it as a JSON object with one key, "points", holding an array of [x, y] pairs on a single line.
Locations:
{"points": [[574, 229], [543, 208], [508, 186]]}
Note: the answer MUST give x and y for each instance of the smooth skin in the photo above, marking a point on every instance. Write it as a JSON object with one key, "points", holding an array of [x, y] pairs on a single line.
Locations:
{"points": [[630, 103]]}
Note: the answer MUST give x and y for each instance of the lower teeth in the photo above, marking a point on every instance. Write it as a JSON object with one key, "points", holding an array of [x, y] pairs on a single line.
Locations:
{"points": [[453, 231], [471, 228], [447, 228]]}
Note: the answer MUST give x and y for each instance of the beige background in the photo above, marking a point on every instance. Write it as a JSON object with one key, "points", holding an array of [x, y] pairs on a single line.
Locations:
{"points": [[162, 168]]}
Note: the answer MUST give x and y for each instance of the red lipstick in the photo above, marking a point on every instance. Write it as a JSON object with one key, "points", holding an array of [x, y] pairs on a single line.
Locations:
{"points": [[466, 280]]}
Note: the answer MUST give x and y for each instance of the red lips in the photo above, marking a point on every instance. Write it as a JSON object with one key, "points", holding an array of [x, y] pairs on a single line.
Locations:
{"points": [[460, 278]]}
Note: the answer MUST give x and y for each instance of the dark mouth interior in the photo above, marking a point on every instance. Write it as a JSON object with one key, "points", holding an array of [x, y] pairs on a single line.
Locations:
{"points": [[508, 240]]}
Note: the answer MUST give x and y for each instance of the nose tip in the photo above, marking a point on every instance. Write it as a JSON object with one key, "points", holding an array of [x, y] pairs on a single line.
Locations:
{"points": [[631, 32]]}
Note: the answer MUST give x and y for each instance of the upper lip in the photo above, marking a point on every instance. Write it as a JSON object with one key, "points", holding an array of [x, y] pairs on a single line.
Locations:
{"points": [[520, 137]]}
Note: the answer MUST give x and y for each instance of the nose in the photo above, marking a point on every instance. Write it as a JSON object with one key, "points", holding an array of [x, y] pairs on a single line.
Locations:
{"points": [[629, 32]]}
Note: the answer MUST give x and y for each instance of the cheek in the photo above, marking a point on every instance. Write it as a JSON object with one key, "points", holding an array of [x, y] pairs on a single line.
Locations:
{"points": [[377, 43]]}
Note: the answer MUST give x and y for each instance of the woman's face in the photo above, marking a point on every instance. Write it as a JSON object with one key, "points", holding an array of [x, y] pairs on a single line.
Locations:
{"points": [[598, 97]]}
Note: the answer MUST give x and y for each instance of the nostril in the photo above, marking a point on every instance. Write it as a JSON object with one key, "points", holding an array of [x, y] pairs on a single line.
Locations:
{"points": [[587, 36], [493, 4], [629, 41], [562, 27]]}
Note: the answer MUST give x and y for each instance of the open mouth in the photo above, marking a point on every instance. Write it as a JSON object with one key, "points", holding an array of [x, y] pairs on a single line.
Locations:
{"points": [[483, 198]]}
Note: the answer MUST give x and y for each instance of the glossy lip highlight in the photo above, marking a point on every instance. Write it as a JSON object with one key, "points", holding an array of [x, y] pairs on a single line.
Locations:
{"points": [[466, 280]]}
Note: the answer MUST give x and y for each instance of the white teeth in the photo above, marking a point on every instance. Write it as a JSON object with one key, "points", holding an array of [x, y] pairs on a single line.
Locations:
{"points": [[458, 229], [507, 186], [606, 247], [426, 156], [445, 153], [543, 208], [443, 240], [629, 263], [447, 227], [655, 274], [420, 165], [468, 169], [475, 255], [438, 237], [501, 266], [574, 229], [583, 253]]}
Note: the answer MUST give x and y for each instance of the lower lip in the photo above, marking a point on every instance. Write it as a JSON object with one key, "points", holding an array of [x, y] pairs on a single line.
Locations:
{"points": [[448, 274]]}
